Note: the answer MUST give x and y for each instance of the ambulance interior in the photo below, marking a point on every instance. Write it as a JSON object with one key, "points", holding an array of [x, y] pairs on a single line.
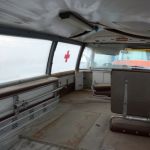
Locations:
{"points": [[74, 75]]}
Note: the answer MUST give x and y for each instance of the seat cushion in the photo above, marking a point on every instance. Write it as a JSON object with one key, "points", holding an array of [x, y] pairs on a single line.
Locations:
{"points": [[124, 125]]}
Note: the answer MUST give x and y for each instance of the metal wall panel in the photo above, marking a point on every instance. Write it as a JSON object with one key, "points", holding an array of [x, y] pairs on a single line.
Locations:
{"points": [[66, 80], [79, 81], [101, 77], [29, 97], [6, 106], [135, 94]]}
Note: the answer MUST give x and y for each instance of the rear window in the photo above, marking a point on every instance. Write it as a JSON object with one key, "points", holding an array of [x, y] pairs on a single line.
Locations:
{"points": [[124, 58], [103, 60], [65, 57], [22, 58]]}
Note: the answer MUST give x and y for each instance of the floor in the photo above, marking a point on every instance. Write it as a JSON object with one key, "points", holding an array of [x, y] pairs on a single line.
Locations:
{"points": [[80, 122]]}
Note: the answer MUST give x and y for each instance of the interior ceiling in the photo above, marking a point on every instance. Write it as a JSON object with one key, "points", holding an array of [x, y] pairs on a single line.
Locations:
{"points": [[42, 15]]}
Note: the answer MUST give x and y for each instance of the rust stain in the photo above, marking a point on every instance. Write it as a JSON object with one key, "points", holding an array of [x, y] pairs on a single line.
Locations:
{"points": [[40, 133], [74, 141], [77, 137]]}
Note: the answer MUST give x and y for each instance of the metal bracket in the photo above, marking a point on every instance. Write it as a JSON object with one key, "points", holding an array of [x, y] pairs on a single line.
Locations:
{"points": [[24, 118], [18, 105], [20, 119], [125, 102]]}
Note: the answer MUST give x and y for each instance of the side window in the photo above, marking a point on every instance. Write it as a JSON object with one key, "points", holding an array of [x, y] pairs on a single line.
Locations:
{"points": [[22, 58], [86, 59], [65, 57], [97, 59], [102, 61]]}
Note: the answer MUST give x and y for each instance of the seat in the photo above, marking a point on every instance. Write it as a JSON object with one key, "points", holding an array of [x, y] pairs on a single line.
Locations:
{"points": [[101, 83], [130, 100], [101, 89]]}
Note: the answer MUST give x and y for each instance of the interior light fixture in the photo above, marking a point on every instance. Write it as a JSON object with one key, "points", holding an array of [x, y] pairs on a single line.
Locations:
{"points": [[77, 21]]}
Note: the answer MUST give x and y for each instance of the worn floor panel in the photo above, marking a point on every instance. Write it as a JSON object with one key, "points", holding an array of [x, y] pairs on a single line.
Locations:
{"points": [[84, 97], [94, 138], [68, 130], [81, 124], [120, 141], [25, 144]]}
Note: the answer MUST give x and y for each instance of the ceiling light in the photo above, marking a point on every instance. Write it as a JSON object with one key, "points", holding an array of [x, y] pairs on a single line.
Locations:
{"points": [[77, 21]]}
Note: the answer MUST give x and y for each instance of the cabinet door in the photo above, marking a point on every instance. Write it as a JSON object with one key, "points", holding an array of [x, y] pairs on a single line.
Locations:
{"points": [[79, 80]]}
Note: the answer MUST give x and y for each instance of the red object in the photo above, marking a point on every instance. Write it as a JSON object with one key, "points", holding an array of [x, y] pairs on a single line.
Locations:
{"points": [[141, 63], [67, 56]]}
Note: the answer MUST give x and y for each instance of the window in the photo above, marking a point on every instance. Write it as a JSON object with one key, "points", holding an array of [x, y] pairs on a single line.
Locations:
{"points": [[96, 59], [22, 58], [103, 60], [107, 59], [65, 57], [134, 58], [85, 62]]}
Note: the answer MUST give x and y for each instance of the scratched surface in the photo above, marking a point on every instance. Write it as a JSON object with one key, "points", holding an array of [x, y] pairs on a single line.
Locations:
{"points": [[25, 144], [68, 130], [83, 126]]}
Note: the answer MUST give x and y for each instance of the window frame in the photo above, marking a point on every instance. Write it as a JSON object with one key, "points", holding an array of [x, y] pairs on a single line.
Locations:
{"points": [[32, 78], [80, 69], [26, 33], [13, 31], [82, 46]]}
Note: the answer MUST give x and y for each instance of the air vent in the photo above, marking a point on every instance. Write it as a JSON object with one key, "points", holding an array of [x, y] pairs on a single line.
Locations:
{"points": [[122, 39]]}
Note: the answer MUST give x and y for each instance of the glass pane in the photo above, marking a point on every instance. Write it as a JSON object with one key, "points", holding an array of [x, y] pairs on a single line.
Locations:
{"points": [[65, 57], [22, 58], [110, 58], [85, 62], [103, 60], [134, 58]]}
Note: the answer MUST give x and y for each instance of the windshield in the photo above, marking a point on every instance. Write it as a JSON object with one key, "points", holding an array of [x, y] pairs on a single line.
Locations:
{"points": [[125, 58]]}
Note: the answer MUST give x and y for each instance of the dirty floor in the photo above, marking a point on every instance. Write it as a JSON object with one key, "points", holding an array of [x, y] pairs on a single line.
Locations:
{"points": [[80, 122]]}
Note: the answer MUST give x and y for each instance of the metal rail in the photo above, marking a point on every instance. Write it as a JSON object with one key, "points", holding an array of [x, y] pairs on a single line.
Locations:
{"points": [[30, 115], [21, 119], [125, 101]]}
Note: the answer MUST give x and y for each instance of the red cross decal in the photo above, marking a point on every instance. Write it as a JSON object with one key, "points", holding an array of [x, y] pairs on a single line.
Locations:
{"points": [[67, 56]]}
